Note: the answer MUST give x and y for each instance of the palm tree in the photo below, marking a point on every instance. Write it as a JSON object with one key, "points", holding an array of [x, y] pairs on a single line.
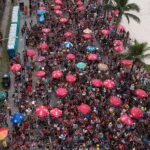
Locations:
{"points": [[137, 52], [124, 8]]}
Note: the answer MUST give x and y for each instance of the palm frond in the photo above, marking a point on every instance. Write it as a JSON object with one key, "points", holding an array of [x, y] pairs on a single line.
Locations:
{"points": [[127, 17], [145, 55], [134, 17], [132, 7]]}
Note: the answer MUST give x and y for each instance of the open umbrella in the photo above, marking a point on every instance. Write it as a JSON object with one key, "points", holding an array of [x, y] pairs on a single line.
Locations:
{"points": [[117, 43], [59, 2], [40, 73], [92, 57], [41, 18], [41, 111], [63, 20], [115, 12], [126, 62], [102, 66], [46, 30], [81, 8], [43, 46], [41, 12], [3, 96], [55, 112], [87, 36], [105, 32], [84, 108], [87, 31], [140, 93], [71, 78], [3, 133], [31, 53], [118, 49], [115, 101], [90, 48], [42, 8], [58, 12], [17, 118], [15, 67], [136, 112], [81, 65], [61, 92], [109, 84], [68, 45], [68, 34], [97, 83], [126, 119], [121, 27], [79, 3], [71, 56], [57, 7], [40, 59], [56, 74]]}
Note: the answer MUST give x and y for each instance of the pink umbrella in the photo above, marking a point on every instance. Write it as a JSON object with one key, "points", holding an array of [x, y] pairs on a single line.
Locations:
{"points": [[59, 2], [84, 108], [79, 3], [92, 57], [97, 83], [109, 84], [126, 62], [126, 119], [81, 8], [41, 111], [115, 101], [115, 12], [136, 112], [63, 20], [43, 46], [118, 49], [121, 28], [40, 59], [58, 12], [117, 42], [42, 8], [87, 36], [55, 112], [71, 78], [31, 53], [61, 92], [140, 93], [68, 34], [15, 67], [40, 73], [57, 7], [71, 56], [45, 30], [56, 74], [105, 32]]}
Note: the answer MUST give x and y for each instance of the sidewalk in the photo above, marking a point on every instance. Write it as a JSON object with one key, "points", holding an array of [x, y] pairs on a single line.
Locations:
{"points": [[4, 22]]}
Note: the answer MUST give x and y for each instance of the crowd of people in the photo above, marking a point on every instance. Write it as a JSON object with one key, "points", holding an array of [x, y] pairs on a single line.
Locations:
{"points": [[74, 45]]}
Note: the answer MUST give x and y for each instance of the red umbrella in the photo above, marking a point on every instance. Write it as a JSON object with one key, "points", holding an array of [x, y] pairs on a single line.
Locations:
{"points": [[41, 111], [71, 56], [42, 8], [63, 20], [105, 32], [31, 53], [40, 59], [84, 108], [121, 28], [97, 83], [92, 57], [136, 112], [15, 67], [126, 62], [58, 12], [59, 2], [55, 112], [61, 92], [57, 7], [56, 74], [71, 78], [117, 42], [81, 8], [68, 34], [115, 101], [126, 119], [109, 84], [115, 12], [43, 46], [79, 3], [40, 73], [87, 36], [118, 49], [140, 93], [45, 30]]}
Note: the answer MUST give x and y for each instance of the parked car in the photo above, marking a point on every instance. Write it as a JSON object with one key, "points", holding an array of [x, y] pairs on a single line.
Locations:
{"points": [[6, 81]]}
